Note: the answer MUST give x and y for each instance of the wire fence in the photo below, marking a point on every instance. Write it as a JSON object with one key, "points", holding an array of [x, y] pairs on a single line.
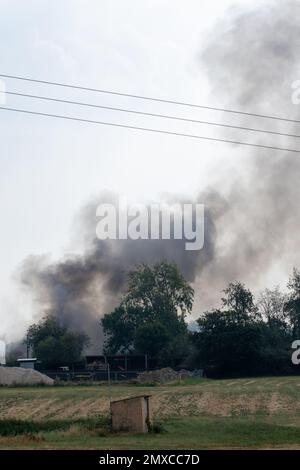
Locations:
{"points": [[94, 376]]}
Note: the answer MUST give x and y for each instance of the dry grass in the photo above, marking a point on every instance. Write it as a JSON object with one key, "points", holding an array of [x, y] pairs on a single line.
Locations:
{"points": [[242, 413], [215, 398]]}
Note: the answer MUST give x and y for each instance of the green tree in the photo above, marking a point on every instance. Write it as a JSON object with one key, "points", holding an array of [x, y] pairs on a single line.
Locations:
{"points": [[239, 300], [54, 344], [243, 337], [119, 327], [151, 316], [153, 338], [292, 305], [271, 305], [227, 346]]}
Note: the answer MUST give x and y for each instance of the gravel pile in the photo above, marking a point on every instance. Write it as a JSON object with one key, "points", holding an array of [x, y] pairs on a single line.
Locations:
{"points": [[20, 376], [162, 375]]}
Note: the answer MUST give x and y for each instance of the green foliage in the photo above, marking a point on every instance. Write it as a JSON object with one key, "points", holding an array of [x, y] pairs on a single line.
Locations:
{"points": [[157, 427], [14, 427], [119, 326], [243, 338], [271, 305], [228, 346], [292, 305], [275, 347], [54, 344], [240, 300], [161, 290], [151, 317], [152, 337]]}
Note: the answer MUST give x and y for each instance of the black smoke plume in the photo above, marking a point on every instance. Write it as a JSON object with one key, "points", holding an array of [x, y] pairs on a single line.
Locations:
{"points": [[79, 289], [252, 221]]}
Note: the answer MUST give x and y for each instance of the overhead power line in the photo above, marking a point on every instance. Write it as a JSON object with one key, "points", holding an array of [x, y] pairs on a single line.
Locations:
{"points": [[147, 129], [143, 113], [142, 97]]}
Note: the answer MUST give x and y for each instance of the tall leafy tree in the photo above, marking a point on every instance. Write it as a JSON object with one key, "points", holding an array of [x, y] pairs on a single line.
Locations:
{"points": [[54, 344], [244, 337], [271, 305], [228, 340], [227, 346], [292, 305], [239, 300], [151, 316]]}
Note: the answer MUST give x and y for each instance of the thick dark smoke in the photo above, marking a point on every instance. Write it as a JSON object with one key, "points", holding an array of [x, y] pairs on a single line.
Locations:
{"points": [[252, 60], [79, 289], [251, 229]]}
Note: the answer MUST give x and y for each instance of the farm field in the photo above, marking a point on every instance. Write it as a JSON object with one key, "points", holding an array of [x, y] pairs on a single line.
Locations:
{"points": [[194, 414]]}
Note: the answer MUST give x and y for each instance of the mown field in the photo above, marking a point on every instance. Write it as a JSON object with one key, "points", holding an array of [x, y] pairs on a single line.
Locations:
{"points": [[195, 414]]}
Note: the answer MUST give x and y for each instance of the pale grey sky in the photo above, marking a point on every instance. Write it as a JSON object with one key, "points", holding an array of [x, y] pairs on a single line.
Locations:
{"points": [[50, 168]]}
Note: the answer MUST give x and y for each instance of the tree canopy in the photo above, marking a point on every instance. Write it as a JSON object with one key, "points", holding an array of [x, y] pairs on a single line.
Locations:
{"points": [[151, 316], [244, 337], [54, 344], [292, 304]]}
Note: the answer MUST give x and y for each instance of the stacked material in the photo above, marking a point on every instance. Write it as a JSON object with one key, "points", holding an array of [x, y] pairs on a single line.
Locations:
{"points": [[162, 375], [20, 376]]}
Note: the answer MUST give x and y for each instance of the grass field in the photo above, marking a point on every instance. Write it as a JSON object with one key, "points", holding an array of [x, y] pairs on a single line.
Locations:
{"points": [[194, 414]]}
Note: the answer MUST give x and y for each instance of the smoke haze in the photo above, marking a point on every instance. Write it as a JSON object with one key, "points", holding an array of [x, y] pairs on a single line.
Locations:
{"points": [[251, 222]]}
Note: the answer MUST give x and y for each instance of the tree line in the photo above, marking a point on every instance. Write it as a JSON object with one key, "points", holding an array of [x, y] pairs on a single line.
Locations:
{"points": [[242, 336]]}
